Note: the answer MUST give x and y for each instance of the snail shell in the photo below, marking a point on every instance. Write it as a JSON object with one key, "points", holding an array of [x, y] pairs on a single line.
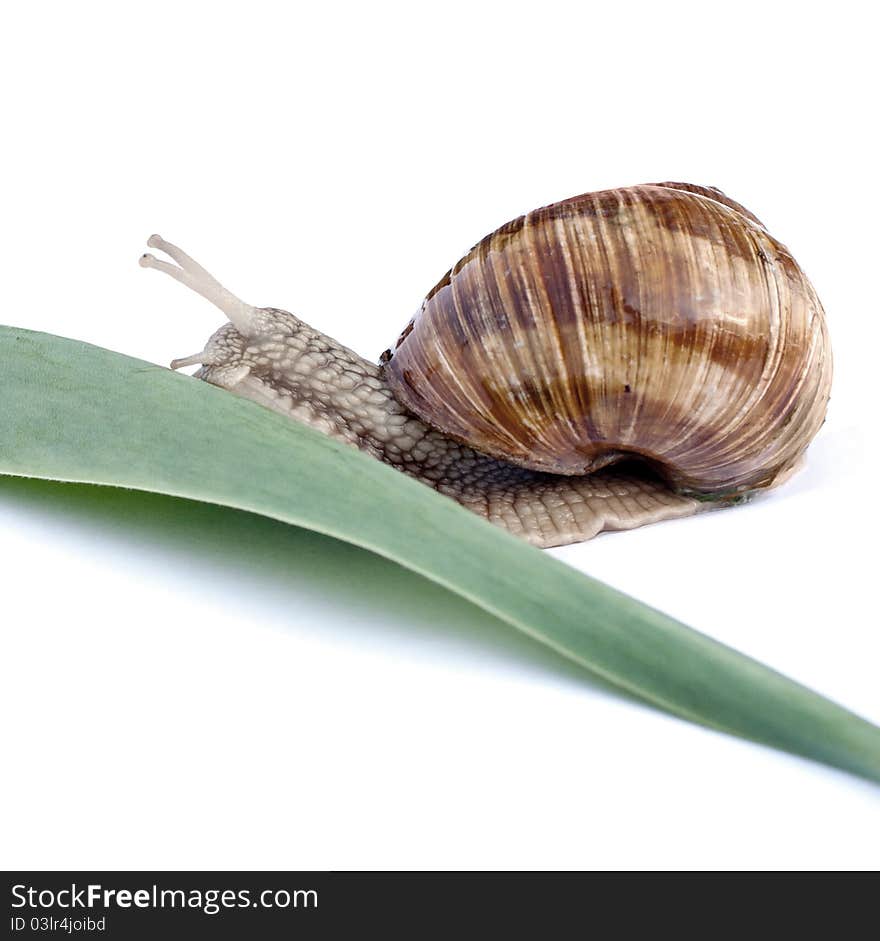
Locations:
{"points": [[660, 321]]}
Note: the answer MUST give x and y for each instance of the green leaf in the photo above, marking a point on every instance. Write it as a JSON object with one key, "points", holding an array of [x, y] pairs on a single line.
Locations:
{"points": [[74, 412]]}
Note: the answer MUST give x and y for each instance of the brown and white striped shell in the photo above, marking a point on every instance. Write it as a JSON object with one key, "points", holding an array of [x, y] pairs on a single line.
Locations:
{"points": [[661, 321]]}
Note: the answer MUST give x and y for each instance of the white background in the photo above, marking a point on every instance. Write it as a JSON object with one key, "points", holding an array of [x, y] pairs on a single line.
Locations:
{"points": [[185, 688]]}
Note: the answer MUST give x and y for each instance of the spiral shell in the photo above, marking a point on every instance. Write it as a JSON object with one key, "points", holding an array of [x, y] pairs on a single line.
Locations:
{"points": [[660, 321]]}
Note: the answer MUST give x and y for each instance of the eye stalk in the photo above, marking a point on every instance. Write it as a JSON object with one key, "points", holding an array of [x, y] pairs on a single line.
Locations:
{"points": [[244, 317]]}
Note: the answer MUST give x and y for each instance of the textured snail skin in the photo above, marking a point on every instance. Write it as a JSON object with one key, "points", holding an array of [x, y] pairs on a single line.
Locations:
{"points": [[659, 322], [309, 377]]}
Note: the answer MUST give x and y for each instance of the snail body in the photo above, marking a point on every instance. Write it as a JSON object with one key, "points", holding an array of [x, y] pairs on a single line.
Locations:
{"points": [[607, 361]]}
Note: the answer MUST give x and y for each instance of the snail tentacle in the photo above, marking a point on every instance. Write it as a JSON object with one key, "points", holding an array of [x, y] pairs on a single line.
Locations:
{"points": [[188, 272], [195, 360]]}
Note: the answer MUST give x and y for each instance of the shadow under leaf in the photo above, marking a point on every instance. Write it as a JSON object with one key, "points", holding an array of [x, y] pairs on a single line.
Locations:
{"points": [[266, 559]]}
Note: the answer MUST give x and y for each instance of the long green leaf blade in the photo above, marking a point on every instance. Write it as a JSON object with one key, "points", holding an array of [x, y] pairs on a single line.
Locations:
{"points": [[74, 412]]}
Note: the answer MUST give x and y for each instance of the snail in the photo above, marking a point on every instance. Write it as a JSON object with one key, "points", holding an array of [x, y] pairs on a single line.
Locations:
{"points": [[604, 362]]}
